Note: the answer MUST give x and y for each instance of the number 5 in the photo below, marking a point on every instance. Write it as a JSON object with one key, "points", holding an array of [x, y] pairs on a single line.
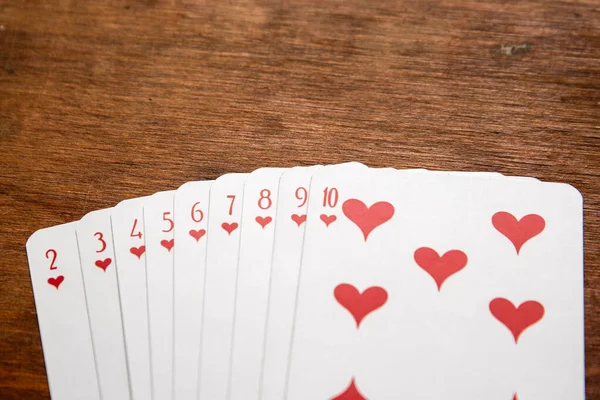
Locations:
{"points": [[171, 223]]}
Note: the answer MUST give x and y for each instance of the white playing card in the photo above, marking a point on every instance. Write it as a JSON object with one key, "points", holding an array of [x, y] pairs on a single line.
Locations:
{"points": [[62, 314], [224, 218], [191, 217], [127, 221], [252, 288], [287, 247], [158, 228], [289, 235], [94, 238], [471, 287]]}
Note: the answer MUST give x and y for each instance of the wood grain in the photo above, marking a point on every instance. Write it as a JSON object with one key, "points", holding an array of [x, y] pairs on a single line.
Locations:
{"points": [[105, 100]]}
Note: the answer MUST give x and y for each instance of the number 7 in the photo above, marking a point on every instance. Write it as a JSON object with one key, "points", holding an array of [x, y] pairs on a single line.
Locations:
{"points": [[232, 197]]}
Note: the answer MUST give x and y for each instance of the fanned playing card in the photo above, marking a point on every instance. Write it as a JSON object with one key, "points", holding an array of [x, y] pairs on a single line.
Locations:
{"points": [[334, 282]]}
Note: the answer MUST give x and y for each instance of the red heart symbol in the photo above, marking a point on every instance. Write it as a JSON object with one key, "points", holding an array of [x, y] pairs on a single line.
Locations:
{"points": [[229, 227], [56, 281], [351, 393], [360, 305], [516, 319], [263, 221], [365, 218], [138, 251], [299, 219], [328, 219], [440, 268], [518, 232], [103, 264], [167, 244], [197, 234]]}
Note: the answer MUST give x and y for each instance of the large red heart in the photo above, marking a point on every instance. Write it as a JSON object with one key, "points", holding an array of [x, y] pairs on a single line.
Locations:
{"points": [[56, 281], [360, 304], [103, 263], [516, 319], [518, 232], [167, 244], [138, 251], [369, 218], [263, 221], [350, 393], [197, 234], [299, 219], [440, 268], [229, 227], [328, 219]]}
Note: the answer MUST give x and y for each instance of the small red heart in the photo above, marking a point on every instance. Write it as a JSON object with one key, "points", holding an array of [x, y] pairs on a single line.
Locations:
{"points": [[515, 398], [299, 219], [328, 219], [518, 232], [197, 234], [138, 251], [167, 244], [360, 304], [365, 218], [263, 221], [516, 319], [440, 268], [229, 227], [103, 264], [56, 281], [351, 393]]}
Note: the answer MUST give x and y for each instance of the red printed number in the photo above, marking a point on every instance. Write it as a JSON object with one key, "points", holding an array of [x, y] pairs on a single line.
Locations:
{"points": [[330, 197], [197, 214], [265, 202], [169, 220], [100, 237], [302, 195], [54, 254], [232, 197], [132, 234]]}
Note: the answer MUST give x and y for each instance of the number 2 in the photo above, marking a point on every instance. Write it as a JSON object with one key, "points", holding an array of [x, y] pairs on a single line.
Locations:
{"points": [[54, 255], [100, 237]]}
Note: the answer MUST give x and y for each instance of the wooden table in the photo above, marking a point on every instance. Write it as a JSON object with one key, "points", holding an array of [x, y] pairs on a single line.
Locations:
{"points": [[105, 100]]}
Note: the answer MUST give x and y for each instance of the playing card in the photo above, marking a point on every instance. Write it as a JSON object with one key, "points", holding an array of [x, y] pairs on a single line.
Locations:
{"points": [[127, 221], [62, 314], [224, 218], [191, 216], [252, 289], [94, 238], [287, 247], [428, 286], [158, 228]]}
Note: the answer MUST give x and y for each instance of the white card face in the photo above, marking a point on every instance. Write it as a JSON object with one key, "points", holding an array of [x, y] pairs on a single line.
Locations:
{"points": [[158, 227], [292, 203], [259, 213], [127, 220], [225, 213], [191, 218], [62, 314], [94, 238], [471, 287]]}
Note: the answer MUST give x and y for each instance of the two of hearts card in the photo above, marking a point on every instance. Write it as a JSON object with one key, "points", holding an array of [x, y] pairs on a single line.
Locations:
{"points": [[337, 282]]}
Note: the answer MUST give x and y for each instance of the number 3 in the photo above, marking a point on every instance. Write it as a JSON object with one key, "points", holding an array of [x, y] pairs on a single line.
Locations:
{"points": [[100, 237]]}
